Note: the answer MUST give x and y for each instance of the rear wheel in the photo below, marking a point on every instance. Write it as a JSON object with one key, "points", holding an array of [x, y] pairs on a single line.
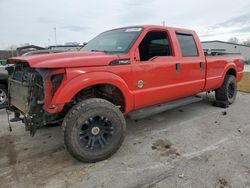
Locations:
{"points": [[93, 130], [3, 95], [228, 90]]}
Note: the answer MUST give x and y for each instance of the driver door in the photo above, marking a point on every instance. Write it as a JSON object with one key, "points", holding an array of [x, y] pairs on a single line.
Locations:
{"points": [[156, 73]]}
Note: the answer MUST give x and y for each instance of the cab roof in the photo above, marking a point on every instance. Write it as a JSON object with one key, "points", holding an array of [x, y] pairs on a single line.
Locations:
{"points": [[157, 27]]}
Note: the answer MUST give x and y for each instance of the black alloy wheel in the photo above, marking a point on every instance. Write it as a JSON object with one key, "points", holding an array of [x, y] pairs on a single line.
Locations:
{"points": [[96, 132]]}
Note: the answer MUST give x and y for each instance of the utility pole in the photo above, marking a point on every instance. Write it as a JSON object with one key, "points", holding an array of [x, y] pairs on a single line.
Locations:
{"points": [[163, 22], [55, 35], [48, 42]]}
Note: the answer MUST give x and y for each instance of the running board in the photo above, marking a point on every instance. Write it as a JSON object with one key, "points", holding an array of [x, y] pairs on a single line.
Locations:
{"points": [[156, 109]]}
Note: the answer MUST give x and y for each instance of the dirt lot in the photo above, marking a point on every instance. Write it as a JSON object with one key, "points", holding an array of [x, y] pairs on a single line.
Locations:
{"points": [[193, 146]]}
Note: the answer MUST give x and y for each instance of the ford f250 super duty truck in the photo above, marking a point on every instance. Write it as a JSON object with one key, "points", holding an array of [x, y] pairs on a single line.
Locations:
{"points": [[118, 72]]}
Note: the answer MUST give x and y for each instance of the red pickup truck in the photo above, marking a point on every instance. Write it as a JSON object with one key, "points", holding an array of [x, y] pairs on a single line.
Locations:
{"points": [[119, 71]]}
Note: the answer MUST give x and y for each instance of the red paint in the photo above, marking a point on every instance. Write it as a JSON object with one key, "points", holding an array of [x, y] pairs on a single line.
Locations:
{"points": [[161, 81], [66, 60], [48, 87]]}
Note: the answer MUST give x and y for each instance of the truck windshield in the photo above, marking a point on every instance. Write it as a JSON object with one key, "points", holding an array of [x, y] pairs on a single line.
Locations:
{"points": [[114, 41]]}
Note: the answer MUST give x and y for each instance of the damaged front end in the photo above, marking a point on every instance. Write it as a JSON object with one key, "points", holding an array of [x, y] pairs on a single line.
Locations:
{"points": [[30, 89]]}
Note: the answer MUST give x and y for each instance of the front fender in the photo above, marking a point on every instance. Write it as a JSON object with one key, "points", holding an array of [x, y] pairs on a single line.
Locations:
{"points": [[68, 90]]}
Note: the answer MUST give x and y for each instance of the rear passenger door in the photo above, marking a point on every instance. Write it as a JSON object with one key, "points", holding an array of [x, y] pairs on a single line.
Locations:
{"points": [[191, 64]]}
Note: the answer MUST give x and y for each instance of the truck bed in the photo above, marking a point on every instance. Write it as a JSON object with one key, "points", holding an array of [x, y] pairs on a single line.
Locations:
{"points": [[216, 69]]}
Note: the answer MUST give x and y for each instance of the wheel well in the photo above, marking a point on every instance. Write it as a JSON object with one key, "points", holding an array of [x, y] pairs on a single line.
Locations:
{"points": [[231, 72], [108, 92], [4, 83]]}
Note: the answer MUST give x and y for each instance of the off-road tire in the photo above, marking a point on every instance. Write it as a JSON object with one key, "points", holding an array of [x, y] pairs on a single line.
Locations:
{"points": [[4, 89], [229, 85], [82, 112]]}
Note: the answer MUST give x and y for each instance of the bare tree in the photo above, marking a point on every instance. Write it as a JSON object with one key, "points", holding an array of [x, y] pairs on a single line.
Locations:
{"points": [[246, 42], [234, 40]]}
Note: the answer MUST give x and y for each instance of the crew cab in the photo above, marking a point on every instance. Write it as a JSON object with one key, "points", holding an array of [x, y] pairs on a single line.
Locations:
{"points": [[116, 73]]}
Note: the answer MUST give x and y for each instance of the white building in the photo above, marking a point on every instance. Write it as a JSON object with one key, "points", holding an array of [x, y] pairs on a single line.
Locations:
{"points": [[228, 47]]}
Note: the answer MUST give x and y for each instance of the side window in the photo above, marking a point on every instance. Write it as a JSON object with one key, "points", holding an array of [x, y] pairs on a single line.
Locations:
{"points": [[155, 43], [187, 44]]}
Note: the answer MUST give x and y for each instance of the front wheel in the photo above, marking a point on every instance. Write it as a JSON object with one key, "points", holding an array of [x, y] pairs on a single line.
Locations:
{"points": [[93, 130], [228, 90]]}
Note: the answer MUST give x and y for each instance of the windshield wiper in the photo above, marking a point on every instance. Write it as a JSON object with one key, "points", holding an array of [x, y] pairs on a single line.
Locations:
{"points": [[106, 52]]}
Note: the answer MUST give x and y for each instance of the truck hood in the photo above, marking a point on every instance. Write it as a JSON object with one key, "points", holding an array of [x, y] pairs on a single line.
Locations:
{"points": [[66, 59]]}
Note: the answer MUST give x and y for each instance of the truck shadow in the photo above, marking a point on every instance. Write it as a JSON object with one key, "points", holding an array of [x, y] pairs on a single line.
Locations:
{"points": [[171, 117]]}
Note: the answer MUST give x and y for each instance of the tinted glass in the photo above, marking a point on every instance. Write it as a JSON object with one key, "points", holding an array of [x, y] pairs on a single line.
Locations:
{"points": [[155, 43], [188, 45], [114, 41]]}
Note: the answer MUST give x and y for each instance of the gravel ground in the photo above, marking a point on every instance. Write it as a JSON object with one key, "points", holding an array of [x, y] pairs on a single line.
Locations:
{"points": [[193, 146]]}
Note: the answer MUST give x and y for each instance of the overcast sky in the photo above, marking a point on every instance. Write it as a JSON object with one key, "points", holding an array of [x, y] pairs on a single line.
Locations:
{"points": [[32, 21]]}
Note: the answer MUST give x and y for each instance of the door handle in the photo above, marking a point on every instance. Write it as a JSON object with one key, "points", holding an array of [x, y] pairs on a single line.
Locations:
{"points": [[201, 65], [177, 67]]}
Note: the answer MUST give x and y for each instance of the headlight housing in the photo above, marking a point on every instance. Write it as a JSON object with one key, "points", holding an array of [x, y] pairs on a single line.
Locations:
{"points": [[56, 81]]}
